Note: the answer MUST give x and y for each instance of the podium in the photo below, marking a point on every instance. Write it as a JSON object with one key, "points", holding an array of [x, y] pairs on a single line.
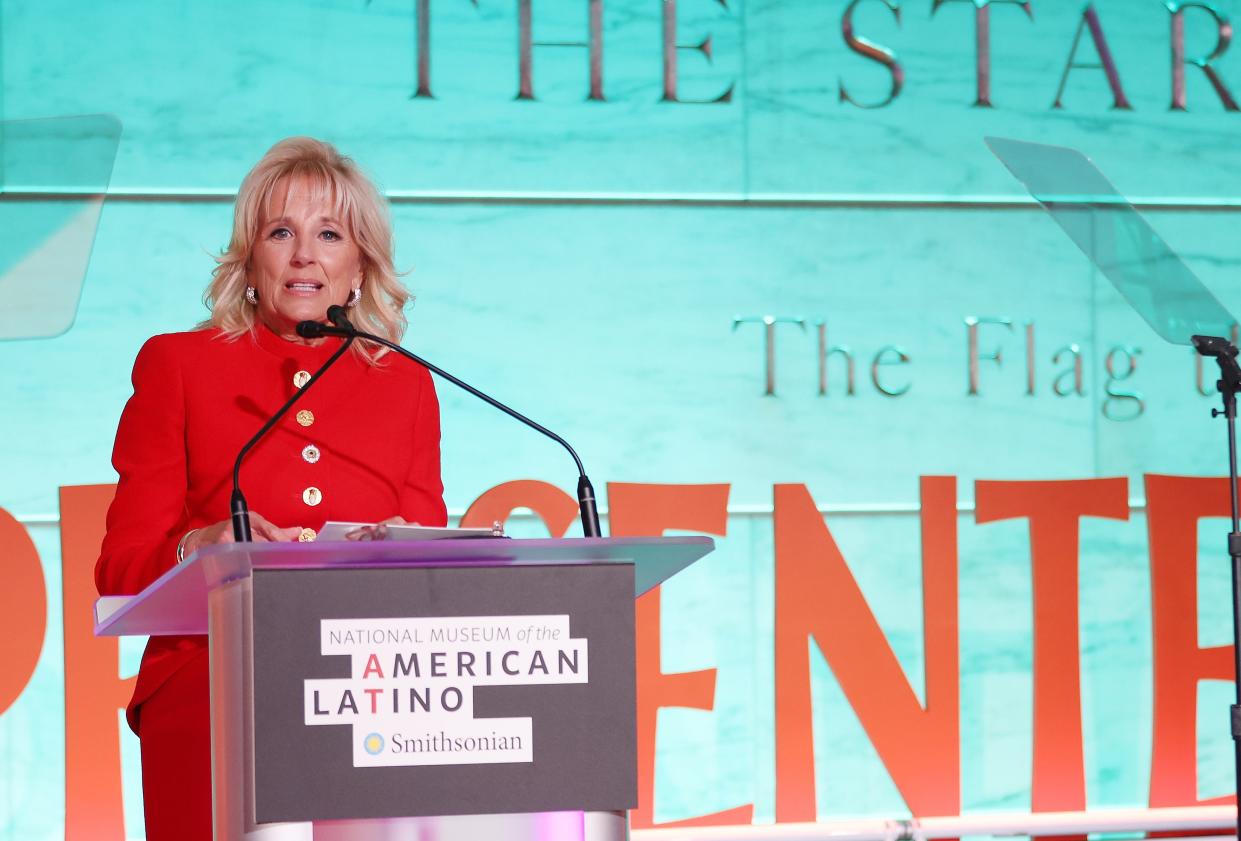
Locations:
{"points": [[432, 691]]}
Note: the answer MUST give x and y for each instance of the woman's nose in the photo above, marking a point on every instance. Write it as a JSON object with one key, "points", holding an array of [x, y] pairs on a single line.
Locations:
{"points": [[303, 254]]}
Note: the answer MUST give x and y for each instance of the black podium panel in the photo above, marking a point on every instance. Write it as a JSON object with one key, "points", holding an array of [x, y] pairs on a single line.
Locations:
{"points": [[442, 691]]}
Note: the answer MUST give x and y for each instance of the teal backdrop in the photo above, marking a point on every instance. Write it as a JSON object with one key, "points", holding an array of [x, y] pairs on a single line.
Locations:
{"points": [[588, 261]]}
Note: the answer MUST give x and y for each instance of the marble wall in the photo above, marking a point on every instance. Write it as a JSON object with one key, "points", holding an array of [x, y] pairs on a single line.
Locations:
{"points": [[587, 260]]}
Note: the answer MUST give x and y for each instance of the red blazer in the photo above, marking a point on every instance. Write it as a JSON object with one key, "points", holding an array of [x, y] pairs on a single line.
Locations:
{"points": [[363, 445]]}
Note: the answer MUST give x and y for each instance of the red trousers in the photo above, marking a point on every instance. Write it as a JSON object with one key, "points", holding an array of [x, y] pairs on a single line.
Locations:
{"points": [[174, 725]]}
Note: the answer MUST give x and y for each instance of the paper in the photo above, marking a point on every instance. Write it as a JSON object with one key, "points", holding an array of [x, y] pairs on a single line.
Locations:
{"points": [[335, 530]]}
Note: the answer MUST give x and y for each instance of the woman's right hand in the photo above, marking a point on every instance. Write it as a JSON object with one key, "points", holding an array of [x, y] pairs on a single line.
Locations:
{"points": [[262, 530]]}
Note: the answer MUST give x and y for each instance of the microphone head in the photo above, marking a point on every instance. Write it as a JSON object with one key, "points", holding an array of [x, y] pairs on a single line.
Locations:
{"points": [[339, 316], [309, 329]]}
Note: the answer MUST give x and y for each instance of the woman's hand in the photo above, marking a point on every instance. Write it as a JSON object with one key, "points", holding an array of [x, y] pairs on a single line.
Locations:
{"points": [[262, 530], [379, 531]]}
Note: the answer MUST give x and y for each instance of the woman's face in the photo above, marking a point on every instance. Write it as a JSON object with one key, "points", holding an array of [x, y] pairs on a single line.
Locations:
{"points": [[303, 261]]}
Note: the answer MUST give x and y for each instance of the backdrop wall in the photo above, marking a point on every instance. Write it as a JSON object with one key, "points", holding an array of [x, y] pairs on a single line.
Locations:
{"points": [[600, 251]]}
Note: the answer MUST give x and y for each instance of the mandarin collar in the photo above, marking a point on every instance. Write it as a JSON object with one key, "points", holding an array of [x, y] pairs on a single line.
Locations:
{"points": [[268, 340]]}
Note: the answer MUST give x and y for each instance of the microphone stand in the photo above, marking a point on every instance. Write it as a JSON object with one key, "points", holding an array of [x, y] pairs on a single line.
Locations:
{"points": [[239, 510], [1225, 353], [343, 327]]}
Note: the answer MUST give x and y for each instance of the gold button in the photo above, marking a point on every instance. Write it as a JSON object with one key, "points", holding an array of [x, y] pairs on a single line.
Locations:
{"points": [[305, 417], [311, 496], [300, 378], [307, 535], [310, 453]]}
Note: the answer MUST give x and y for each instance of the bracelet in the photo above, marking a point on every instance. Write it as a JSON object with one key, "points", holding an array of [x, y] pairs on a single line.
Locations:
{"points": [[181, 545]]}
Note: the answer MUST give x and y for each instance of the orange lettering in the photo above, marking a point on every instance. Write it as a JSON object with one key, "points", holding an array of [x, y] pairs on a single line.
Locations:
{"points": [[818, 599], [1174, 504], [555, 507], [23, 609], [641, 510], [94, 690], [1055, 509]]}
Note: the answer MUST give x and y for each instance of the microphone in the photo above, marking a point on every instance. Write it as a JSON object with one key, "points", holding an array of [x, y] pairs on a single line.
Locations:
{"points": [[317, 329], [239, 511], [341, 326], [339, 316]]}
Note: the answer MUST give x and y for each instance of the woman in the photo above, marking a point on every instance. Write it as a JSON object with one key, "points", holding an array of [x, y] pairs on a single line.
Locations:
{"points": [[309, 231]]}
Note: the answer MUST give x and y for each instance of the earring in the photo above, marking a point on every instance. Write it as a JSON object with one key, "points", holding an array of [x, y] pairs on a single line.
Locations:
{"points": [[252, 295], [354, 297]]}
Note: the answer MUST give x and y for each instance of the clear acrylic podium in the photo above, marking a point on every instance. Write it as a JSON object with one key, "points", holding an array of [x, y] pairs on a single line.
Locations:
{"points": [[212, 593]]}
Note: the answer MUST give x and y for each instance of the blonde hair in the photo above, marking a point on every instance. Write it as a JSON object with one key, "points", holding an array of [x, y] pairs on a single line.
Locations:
{"points": [[335, 179]]}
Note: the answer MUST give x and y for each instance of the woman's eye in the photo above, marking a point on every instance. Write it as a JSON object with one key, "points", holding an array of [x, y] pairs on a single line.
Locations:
{"points": [[280, 233], [330, 236]]}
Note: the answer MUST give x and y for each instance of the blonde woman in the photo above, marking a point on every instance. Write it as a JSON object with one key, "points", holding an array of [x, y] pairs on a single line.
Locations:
{"points": [[309, 231]]}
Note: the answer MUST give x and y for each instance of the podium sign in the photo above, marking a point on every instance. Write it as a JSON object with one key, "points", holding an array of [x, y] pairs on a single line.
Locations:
{"points": [[443, 690], [455, 689]]}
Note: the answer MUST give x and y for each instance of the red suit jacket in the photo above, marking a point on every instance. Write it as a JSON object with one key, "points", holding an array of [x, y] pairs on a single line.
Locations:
{"points": [[363, 445]]}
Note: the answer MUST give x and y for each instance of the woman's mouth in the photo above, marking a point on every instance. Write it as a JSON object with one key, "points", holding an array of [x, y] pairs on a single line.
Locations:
{"points": [[303, 287]]}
